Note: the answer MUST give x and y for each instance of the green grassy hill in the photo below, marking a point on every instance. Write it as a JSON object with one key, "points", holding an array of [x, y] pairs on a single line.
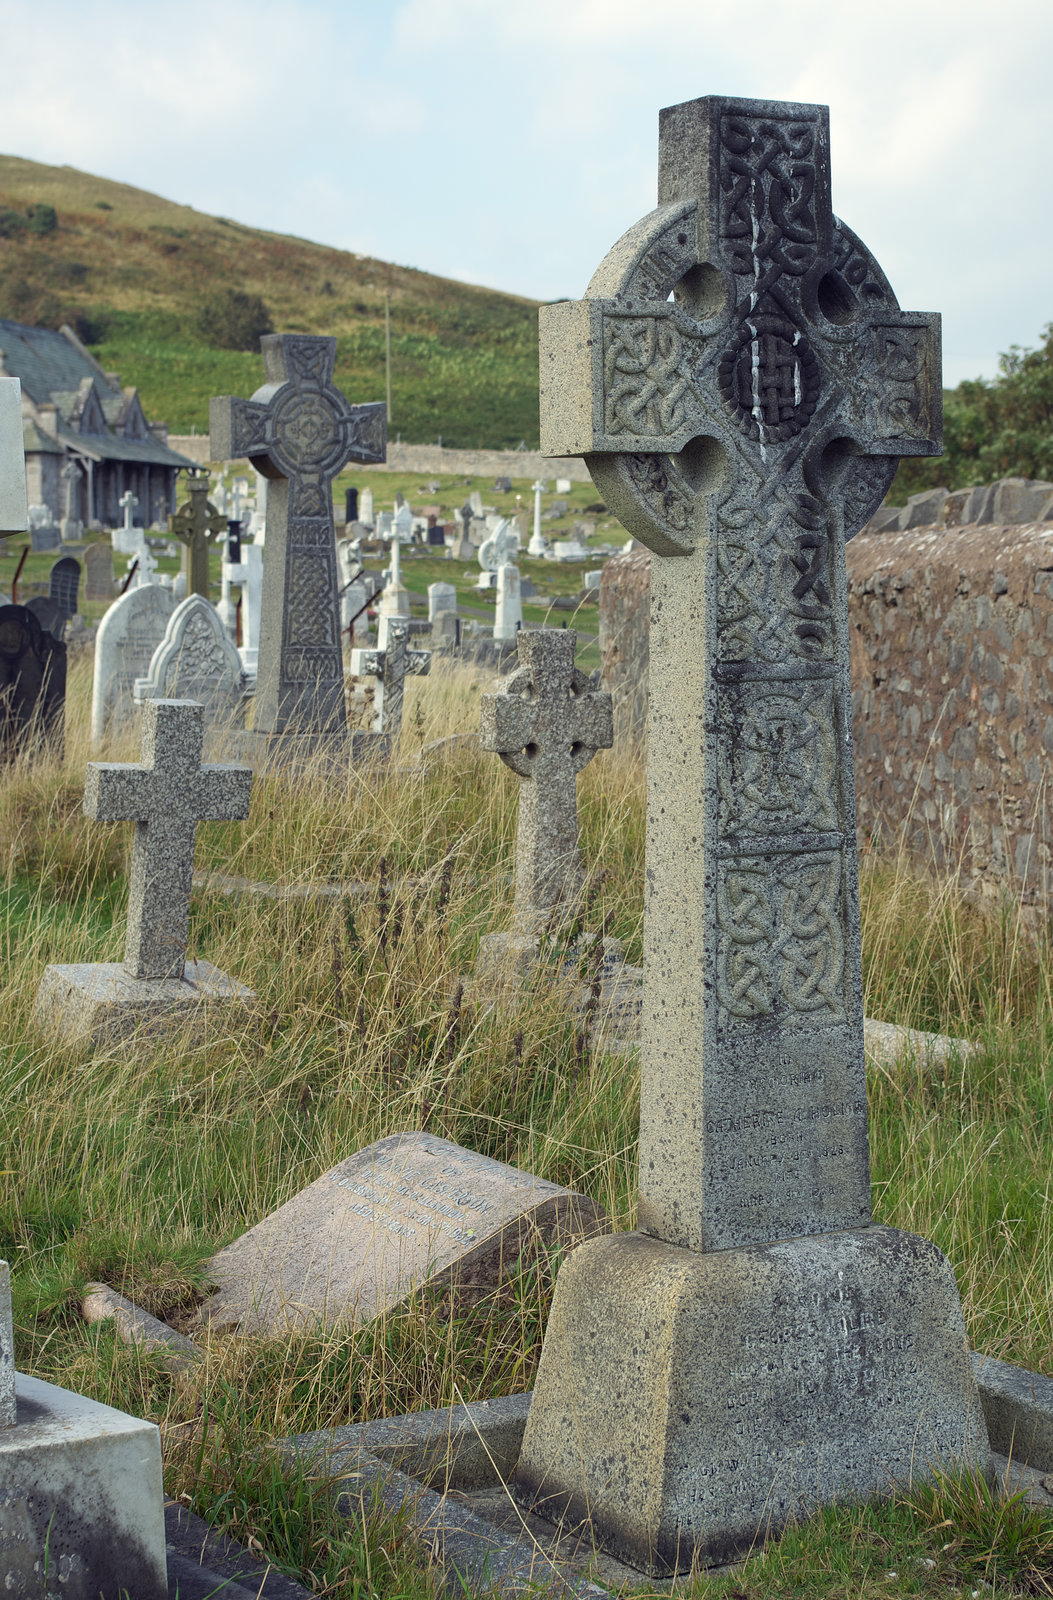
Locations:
{"points": [[133, 273]]}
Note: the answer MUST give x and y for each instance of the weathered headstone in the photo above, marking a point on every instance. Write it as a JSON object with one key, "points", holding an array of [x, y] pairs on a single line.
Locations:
{"points": [[365, 509], [475, 504], [408, 1211], [196, 660], [32, 682], [167, 793], [508, 613], [197, 524], [251, 606], [758, 1347], [441, 597], [82, 1506], [127, 540], [394, 600], [98, 572], [502, 485], [127, 637], [64, 584], [546, 723], [350, 504], [49, 614], [71, 526], [389, 666], [299, 430]]}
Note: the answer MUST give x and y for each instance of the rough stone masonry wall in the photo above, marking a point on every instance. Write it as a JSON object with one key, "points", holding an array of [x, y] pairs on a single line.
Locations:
{"points": [[433, 458], [951, 638]]}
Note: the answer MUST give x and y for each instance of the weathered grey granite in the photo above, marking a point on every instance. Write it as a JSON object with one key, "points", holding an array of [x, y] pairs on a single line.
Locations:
{"points": [[299, 430], [99, 1003], [127, 637], [197, 660], [7, 1350], [168, 792], [409, 1210], [546, 723], [700, 1381], [705, 1399], [389, 667], [1018, 1408], [197, 524]]}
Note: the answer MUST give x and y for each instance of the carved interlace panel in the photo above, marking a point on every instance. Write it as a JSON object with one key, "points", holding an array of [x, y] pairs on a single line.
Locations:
{"points": [[780, 946], [777, 768]]}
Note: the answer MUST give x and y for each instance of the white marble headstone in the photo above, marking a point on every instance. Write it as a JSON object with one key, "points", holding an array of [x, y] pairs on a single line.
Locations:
{"points": [[128, 635]]}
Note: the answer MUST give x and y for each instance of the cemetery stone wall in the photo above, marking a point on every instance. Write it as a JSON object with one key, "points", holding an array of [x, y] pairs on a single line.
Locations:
{"points": [[952, 687]]}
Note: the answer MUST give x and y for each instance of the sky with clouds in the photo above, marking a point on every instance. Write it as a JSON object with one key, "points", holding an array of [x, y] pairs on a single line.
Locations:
{"points": [[510, 142]]}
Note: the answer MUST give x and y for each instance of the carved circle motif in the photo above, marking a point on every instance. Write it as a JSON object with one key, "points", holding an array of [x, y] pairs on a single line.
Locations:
{"points": [[308, 431], [769, 379]]}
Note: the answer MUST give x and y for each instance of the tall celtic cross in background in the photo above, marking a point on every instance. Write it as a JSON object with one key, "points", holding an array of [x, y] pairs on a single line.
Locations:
{"points": [[197, 523], [741, 382], [298, 430]]}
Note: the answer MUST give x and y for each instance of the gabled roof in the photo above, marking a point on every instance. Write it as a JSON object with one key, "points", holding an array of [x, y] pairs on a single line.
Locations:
{"points": [[45, 361]]}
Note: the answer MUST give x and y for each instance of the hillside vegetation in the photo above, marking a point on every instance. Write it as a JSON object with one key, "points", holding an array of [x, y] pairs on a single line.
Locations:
{"points": [[146, 283]]}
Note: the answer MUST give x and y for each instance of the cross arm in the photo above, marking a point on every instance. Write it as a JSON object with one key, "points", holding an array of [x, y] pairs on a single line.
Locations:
{"points": [[507, 722], [222, 793], [367, 663], [367, 432], [590, 718], [117, 791], [237, 427], [418, 662]]}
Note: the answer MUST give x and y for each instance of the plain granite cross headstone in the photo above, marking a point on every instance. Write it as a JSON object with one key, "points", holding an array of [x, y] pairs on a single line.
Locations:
{"points": [[197, 524], [167, 793], [409, 1211], [742, 382], [389, 665], [299, 430], [82, 1503], [127, 637], [546, 723], [196, 660]]}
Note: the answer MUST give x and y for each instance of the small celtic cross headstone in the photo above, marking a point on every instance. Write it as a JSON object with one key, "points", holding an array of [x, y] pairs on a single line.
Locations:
{"points": [[547, 723], [389, 667], [299, 431], [167, 793], [197, 524], [742, 382]]}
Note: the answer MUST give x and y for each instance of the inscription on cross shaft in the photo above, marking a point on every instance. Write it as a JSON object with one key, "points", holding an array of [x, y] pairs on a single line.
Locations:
{"points": [[197, 524], [167, 793], [298, 430], [742, 384], [547, 724]]}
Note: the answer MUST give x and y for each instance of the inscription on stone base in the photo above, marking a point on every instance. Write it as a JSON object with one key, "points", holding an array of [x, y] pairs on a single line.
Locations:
{"points": [[409, 1210]]}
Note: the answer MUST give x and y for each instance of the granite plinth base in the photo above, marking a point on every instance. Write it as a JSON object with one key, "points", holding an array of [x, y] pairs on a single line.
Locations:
{"points": [[81, 1499], [689, 1405], [328, 753], [99, 1003]]}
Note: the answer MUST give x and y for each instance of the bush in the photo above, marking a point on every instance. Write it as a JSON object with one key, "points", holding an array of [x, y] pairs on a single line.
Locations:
{"points": [[41, 218], [11, 223], [234, 320]]}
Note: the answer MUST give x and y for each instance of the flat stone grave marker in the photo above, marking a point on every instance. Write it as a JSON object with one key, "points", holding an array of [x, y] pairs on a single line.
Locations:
{"points": [[167, 793], [410, 1210], [32, 682], [128, 635], [196, 660], [98, 572], [300, 431], [742, 383]]}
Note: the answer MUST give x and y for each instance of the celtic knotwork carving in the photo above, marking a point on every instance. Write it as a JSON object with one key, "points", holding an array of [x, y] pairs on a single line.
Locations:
{"points": [[774, 590], [309, 615], [646, 386], [780, 953], [770, 379], [767, 175], [657, 478], [310, 359], [777, 762], [900, 409]]}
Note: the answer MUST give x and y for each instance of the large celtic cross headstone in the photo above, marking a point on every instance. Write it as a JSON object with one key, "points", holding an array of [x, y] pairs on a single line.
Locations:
{"points": [[197, 524], [741, 382], [299, 431]]}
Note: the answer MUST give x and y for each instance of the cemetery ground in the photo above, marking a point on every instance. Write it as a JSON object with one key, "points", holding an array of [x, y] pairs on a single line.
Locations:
{"points": [[134, 1166]]}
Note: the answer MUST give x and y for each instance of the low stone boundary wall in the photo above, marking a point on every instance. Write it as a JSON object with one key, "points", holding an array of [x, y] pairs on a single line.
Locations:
{"points": [[435, 459], [952, 690]]}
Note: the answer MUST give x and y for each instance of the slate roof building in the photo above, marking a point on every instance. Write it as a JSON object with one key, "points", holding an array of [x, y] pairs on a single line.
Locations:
{"points": [[87, 440]]}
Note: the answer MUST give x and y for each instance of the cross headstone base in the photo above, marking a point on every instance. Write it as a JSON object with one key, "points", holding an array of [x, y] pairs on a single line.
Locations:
{"points": [[83, 1497], [100, 1003], [686, 1416]]}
